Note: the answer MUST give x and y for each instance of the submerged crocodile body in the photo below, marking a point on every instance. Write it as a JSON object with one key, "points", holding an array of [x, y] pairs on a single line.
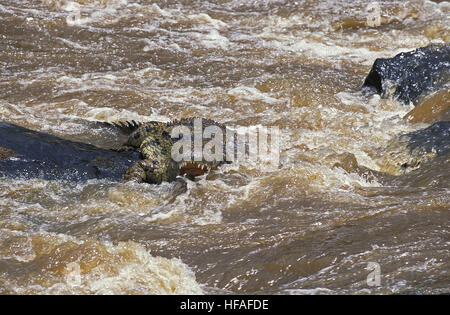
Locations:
{"points": [[156, 140]]}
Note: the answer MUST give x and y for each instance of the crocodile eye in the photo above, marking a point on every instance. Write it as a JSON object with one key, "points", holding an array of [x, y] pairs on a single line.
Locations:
{"points": [[148, 168]]}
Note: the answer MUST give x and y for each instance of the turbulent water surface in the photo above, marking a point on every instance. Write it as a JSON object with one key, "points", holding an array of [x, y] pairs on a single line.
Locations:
{"points": [[335, 206]]}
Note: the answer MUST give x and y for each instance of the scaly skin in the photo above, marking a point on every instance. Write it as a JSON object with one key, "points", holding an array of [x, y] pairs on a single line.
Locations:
{"points": [[5, 153], [154, 141]]}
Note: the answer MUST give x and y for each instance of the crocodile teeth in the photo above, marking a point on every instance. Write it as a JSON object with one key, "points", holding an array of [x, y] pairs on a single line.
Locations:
{"points": [[197, 165]]}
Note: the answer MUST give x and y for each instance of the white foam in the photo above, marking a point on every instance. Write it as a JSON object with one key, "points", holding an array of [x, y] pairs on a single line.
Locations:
{"points": [[160, 43], [315, 291], [154, 8], [93, 11], [211, 40], [247, 93], [382, 122], [73, 44], [160, 216], [93, 267], [315, 37], [112, 115], [205, 18]]}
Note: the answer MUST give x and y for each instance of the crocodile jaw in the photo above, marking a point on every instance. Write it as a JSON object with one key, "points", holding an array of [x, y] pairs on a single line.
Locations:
{"points": [[192, 169]]}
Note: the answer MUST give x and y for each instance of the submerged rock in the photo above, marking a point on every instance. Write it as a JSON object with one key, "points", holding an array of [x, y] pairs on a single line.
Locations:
{"points": [[435, 138], [27, 154], [409, 151], [434, 107], [409, 75], [347, 161], [429, 175]]}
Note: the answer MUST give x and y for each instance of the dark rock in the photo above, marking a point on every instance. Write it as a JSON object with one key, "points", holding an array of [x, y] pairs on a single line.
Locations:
{"points": [[412, 150], [433, 174], [409, 75], [39, 155], [434, 139]]}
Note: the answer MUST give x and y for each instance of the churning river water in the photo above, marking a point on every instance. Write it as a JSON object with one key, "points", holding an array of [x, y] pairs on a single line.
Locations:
{"points": [[331, 216]]}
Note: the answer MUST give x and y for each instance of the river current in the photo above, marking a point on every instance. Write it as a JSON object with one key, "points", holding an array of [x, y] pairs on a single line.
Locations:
{"points": [[333, 218]]}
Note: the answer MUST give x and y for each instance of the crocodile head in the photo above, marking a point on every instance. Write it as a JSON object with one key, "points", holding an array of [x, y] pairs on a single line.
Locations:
{"points": [[156, 170], [156, 144]]}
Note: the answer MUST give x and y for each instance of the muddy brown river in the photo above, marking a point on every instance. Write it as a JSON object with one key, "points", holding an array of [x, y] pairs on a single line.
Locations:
{"points": [[334, 217]]}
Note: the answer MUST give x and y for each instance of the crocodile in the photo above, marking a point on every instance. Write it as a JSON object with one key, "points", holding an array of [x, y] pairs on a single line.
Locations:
{"points": [[147, 147], [156, 140]]}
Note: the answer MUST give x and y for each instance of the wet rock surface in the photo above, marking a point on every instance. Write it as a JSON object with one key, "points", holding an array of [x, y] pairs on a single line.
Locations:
{"points": [[410, 151], [410, 75], [434, 139], [29, 154], [433, 108], [420, 77]]}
